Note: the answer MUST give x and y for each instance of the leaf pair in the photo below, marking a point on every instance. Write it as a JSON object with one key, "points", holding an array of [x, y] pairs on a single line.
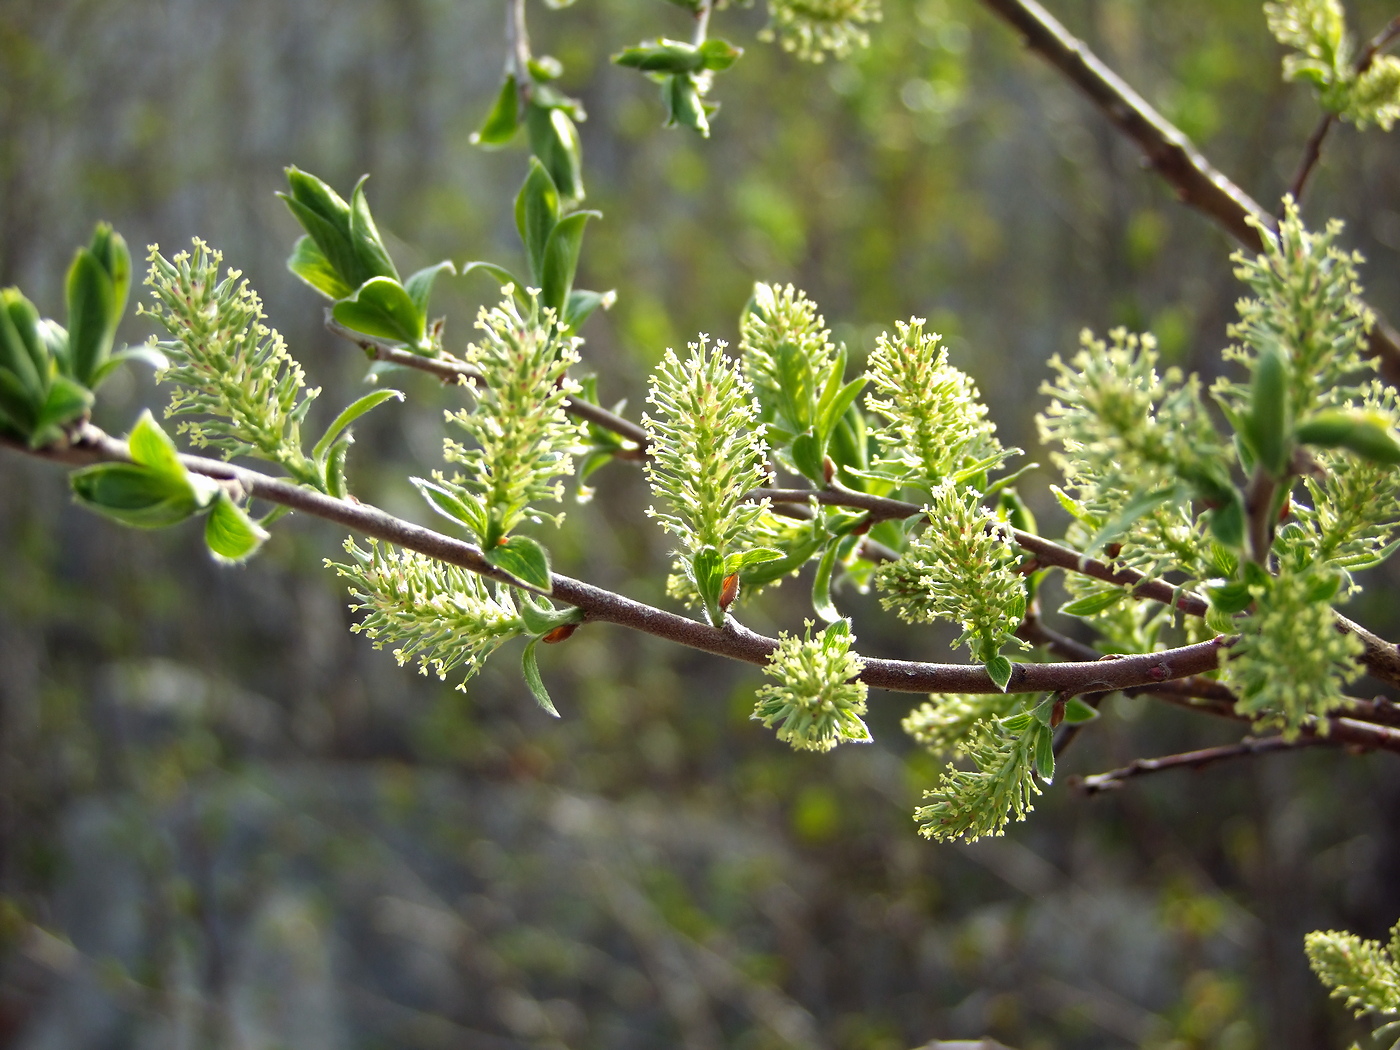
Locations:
{"points": [[553, 238], [155, 491], [684, 72], [343, 257], [47, 373]]}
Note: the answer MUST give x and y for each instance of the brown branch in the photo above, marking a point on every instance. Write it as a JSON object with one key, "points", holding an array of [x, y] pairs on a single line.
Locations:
{"points": [[1114, 779], [452, 370], [1381, 658], [1167, 149], [1312, 149], [732, 640]]}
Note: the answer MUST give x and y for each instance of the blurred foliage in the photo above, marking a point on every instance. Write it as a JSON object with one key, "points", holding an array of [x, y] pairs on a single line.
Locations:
{"points": [[224, 819]]}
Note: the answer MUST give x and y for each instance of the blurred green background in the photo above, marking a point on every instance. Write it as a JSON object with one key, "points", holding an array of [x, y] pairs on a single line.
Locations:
{"points": [[227, 822]]}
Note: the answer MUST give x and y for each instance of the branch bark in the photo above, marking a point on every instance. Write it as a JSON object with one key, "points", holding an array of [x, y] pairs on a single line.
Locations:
{"points": [[1166, 148], [733, 640]]}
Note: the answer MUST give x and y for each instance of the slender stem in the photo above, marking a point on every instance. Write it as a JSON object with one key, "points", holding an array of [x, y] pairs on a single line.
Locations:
{"points": [[1169, 152], [451, 370], [1259, 506], [518, 44], [1312, 149], [1249, 746], [702, 21], [1312, 153]]}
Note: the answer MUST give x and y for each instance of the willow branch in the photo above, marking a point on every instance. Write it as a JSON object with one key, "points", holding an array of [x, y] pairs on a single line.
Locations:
{"points": [[91, 445], [1166, 148], [1248, 747], [1312, 149], [1381, 658], [452, 370]]}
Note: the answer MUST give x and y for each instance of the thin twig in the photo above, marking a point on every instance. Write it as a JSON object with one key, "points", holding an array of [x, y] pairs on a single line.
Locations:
{"points": [[1168, 151], [1249, 746], [451, 370], [1312, 153], [1312, 149], [703, 10]]}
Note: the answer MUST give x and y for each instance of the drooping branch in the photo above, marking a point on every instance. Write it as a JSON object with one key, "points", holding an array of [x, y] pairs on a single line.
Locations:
{"points": [[1197, 182], [91, 445]]}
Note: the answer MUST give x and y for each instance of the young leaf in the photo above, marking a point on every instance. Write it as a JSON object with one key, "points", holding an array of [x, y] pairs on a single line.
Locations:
{"points": [[92, 315], [135, 495], [662, 56], [151, 447], [309, 263], [501, 123], [365, 239], [1366, 435], [554, 140], [821, 586], [1093, 603], [381, 307], [999, 669], [230, 534], [524, 558], [66, 401], [807, 457], [539, 616], [1044, 746], [536, 215], [1077, 711], [351, 413], [707, 567], [561, 259], [530, 668], [420, 285], [1266, 428], [450, 506], [581, 304]]}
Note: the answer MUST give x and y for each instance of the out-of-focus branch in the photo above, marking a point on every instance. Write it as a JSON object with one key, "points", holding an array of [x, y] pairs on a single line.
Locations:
{"points": [[1312, 149], [1167, 149]]}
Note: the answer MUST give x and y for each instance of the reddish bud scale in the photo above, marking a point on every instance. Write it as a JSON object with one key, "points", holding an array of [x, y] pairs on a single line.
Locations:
{"points": [[563, 631], [729, 590]]}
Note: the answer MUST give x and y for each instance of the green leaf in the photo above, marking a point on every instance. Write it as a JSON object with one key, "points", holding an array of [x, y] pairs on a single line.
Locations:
{"points": [[136, 495], [525, 559], [684, 107], [749, 558], [807, 457], [1093, 603], [561, 259], [719, 54], [66, 402], [333, 469], [821, 586], [22, 350], [420, 285], [536, 215], [1230, 598], [1266, 428], [797, 386], [581, 305], [1365, 434], [999, 669], [500, 273], [707, 573], [325, 216], [109, 249], [151, 447], [365, 239], [1078, 712], [554, 140], [351, 413], [1227, 521], [662, 56], [230, 534], [16, 405], [381, 307], [540, 617], [503, 121], [530, 668], [309, 263], [829, 412], [1044, 747], [92, 315], [451, 506], [1137, 507]]}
